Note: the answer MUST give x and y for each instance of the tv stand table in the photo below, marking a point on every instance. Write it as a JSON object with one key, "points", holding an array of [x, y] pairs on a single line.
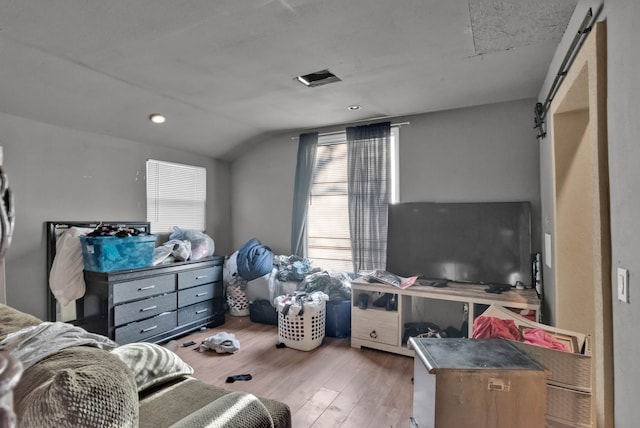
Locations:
{"points": [[381, 329]]}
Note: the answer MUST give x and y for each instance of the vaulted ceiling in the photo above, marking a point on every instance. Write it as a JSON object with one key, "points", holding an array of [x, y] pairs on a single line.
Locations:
{"points": [[223, 71]]}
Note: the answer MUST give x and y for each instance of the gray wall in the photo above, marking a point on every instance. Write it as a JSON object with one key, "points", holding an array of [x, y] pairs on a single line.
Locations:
{"points": [[624, 153], [623, 87], [486, 153], [59, 174], [479, 154]]}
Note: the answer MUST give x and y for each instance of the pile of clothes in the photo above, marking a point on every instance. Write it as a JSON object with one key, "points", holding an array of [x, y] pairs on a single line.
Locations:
{"points": [[292, 268], [485, 327], [254, 273], [253, 262], [336, 285]]}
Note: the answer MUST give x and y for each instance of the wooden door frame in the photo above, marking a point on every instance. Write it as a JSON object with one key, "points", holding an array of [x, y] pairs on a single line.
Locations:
{"points": [[582, 237]]}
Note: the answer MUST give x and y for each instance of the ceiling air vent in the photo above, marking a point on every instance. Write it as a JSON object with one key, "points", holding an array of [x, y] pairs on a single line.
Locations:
{"points": [[318, 78]]}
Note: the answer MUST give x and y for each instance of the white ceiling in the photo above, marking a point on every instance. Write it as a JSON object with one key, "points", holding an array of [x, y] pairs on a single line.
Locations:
{"points": [[223, 70]]}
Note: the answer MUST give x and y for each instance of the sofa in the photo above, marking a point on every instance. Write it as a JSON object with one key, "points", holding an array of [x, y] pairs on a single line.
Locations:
{"points": [[92, 386]]}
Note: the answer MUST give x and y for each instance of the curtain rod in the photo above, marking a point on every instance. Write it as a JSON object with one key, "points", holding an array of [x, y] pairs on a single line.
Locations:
{"points": [[325, 134], [541, 109]]}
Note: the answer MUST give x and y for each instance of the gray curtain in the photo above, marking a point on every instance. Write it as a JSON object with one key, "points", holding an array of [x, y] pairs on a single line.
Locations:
{"points": [[368, 188], [304, 177]]}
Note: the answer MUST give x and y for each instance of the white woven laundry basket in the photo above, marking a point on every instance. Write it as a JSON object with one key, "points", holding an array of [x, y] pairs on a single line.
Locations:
{"points": [[303, 332], [237, 301]]}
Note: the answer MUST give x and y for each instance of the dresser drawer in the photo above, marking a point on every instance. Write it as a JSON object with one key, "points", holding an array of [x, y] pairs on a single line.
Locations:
{"points": [[198, 294], [375, 325], [199, 276], [139, 289], [140, 330], [146, 308], [198, 311]]}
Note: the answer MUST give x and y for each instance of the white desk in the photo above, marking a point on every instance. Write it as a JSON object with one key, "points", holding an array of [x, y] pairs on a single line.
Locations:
{"points": [[381, 329]]}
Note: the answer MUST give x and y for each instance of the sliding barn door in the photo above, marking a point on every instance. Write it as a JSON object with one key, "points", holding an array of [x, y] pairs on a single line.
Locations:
{"points": [[581, 197]]}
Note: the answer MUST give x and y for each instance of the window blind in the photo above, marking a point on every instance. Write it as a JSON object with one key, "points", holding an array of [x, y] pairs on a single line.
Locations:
{"points": [[176, 196], [329, 244]]}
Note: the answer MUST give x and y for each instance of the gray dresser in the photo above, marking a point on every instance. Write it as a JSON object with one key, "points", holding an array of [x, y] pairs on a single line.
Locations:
{"points": [[154, 304]]}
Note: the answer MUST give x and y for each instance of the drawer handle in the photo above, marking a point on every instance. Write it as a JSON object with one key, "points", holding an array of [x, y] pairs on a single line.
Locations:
{"points": [[148, 287], [373, 334], [201, 277], [201, 311], [144, 330], [149, 308], [202, 294]]}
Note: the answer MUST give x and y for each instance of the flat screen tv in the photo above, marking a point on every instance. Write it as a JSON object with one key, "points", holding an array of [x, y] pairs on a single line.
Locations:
{"points": [[482, 243]]}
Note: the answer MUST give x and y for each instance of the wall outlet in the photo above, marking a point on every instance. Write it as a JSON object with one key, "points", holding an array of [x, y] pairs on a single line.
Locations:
{"points": [[623, 285]]}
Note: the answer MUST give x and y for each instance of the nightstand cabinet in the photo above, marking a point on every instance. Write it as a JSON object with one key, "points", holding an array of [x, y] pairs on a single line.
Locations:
{"points": [[479, 383], [154, 304]]}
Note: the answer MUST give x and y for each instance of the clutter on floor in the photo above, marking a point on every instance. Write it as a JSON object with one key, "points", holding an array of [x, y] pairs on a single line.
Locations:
{"points": [[255, 278], [222, 343], [234, 378], [302, 320]]}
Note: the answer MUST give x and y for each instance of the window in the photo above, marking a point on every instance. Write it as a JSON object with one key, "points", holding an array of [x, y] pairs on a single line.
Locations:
{"points": [[328, 239], [176, 196]]}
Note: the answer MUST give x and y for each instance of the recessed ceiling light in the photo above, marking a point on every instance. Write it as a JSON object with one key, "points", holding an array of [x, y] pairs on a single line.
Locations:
{"points": [[354, 107], [157, 118]]}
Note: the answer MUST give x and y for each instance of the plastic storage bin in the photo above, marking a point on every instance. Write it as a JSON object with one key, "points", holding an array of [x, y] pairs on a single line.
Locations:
{"points": [[261, 311], [338, 322], [109, 253], [303, 332]]}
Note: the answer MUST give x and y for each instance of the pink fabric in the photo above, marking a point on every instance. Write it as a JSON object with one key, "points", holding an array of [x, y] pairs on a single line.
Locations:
{"points": [[540, 337], [492, 327]]}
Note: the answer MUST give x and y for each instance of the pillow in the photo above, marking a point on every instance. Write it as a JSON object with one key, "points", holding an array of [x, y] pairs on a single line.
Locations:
{"points": [[152, 364], [77, 387]]}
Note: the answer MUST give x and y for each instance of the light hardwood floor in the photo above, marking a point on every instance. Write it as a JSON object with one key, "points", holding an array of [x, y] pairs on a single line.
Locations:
{"points": [[333, 385]]}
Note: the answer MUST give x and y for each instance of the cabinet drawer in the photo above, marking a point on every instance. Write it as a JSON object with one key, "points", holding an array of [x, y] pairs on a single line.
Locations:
{"points": [[138, 289], [199, 294], [198, 311], [375, 325], [146, 308], [140, 330], [199, 276]]}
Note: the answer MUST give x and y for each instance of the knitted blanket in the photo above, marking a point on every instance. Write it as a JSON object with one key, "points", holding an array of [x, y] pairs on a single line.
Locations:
{"points": [[34, 343]]}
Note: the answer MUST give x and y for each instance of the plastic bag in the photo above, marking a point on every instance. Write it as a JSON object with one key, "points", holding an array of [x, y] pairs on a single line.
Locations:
{"points": [[172, 250], [230, 268], [389, 278], [337, 285], [202, 245], [66, 278]]}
